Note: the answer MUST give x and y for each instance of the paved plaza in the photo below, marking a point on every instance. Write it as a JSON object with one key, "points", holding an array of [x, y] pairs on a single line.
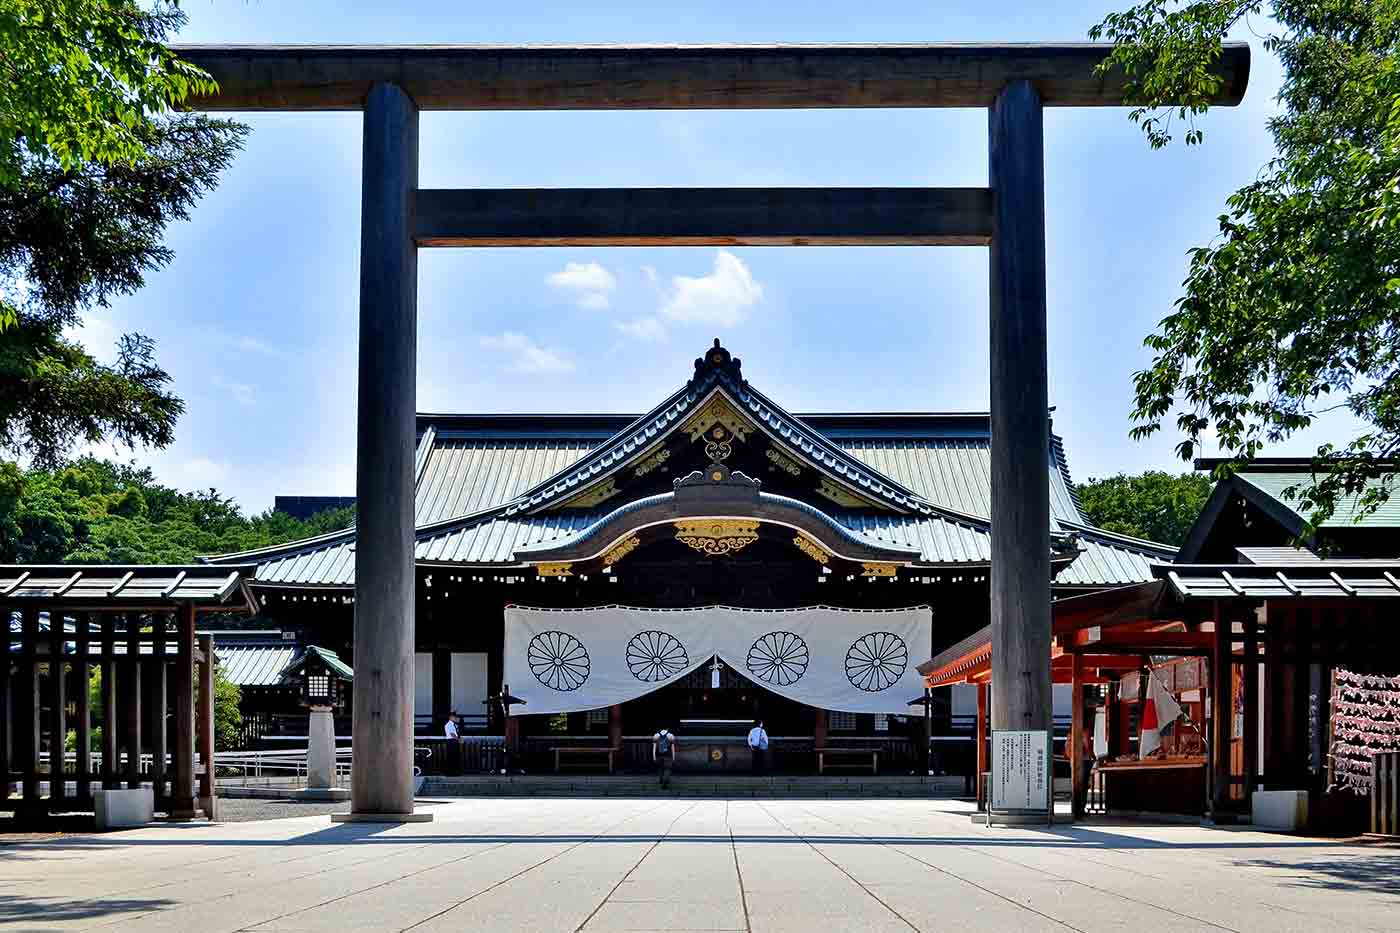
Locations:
{"points": [[685, 864]]}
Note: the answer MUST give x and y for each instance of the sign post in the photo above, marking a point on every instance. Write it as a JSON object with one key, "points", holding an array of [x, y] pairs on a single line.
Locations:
{"points": [[1021, 777]]}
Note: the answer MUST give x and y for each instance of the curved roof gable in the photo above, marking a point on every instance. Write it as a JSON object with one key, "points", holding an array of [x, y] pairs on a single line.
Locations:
{"points": [[717, 393]]}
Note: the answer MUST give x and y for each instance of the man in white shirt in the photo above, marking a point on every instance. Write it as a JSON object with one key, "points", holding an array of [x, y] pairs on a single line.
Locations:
{"points": [[758, 744], [450, 730]]}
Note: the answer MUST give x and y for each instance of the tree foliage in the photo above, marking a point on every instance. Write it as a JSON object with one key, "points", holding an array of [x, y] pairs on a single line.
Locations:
{"points": [[94, 511], [94, 166], [1155, 505], [1294, 308]]}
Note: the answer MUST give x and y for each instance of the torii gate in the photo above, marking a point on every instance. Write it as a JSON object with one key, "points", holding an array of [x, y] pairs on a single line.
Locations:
{"points": [[391, 85]]}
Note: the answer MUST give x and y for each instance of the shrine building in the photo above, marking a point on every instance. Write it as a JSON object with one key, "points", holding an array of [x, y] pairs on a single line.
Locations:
{"points": [[717, 496]]}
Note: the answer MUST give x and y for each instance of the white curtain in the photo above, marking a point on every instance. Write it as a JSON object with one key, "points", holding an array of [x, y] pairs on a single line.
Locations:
{"points": [[860, 661]]}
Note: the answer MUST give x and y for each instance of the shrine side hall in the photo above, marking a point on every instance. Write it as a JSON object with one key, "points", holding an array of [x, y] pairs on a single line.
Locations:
{"points": [[715, 496]]}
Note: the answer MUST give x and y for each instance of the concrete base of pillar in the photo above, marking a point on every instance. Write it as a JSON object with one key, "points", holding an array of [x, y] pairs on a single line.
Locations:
{"points": [[418, 816], [1011, 819]]}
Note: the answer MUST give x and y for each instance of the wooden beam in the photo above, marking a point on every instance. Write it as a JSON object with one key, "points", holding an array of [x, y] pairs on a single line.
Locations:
{"points": [[1076, 737], [671, 77], [205, 711], [1020, 498], [182, 795], [1222, 709], [1144, 643], [382, 778], [703, 217], [981, 733]]}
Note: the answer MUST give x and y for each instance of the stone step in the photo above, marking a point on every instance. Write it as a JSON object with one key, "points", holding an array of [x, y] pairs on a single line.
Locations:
{"points": [[636, 786]]}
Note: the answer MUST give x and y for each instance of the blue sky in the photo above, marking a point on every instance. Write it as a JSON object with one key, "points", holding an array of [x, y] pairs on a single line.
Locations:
{"points": [[255, 318]]}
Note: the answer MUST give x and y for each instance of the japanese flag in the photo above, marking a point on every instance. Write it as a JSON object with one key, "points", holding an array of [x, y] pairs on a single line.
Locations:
{"points": [[1159, 711]]}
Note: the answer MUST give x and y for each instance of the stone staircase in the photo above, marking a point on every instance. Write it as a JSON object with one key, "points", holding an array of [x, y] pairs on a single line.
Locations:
{"points": [[690, 785]]}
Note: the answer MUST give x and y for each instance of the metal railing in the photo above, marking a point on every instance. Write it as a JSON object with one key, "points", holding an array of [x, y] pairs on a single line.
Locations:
{"points": [[270, 765]]}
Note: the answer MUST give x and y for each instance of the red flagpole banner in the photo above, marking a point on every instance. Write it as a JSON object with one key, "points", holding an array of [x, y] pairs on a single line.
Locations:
{"points": [[1365, 722]]}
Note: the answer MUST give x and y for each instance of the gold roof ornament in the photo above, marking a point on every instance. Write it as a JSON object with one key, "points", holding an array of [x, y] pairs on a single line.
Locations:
{"points": [[555, 570], [811, 549], [717, 537], [718, 412], [621, 550], [652, 461], [591, 497], [784, 462], [879, 570], [841, 495]]}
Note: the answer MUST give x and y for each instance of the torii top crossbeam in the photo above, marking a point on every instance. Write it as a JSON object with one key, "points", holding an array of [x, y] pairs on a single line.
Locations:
{"points": [[671, 77]]}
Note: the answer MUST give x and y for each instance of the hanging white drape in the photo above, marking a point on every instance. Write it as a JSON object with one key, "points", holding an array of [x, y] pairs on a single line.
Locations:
{"points": [[859, 661]]}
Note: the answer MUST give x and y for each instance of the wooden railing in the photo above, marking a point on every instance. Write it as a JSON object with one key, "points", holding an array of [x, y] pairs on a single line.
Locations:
{"points": [[1385, 794]]}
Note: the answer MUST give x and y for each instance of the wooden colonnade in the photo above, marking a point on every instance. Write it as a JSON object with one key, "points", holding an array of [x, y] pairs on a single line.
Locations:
{"points": [[135, 626]]}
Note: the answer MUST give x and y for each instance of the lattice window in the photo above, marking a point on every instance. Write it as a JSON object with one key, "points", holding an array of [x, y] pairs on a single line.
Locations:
{"points": [[318, 685], [597, 717], [841, 722], [882, 722]]}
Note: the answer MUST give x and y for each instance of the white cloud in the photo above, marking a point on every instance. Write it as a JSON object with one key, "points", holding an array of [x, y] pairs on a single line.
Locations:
{"points": [[644, 328], [588, 283], [97, 336], [526, 356], [721, 298], [195, 473], [242, 392], [254, 345]]}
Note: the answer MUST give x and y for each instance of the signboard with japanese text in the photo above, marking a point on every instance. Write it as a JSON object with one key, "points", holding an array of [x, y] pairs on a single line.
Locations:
{"points": [[1020, 771]]}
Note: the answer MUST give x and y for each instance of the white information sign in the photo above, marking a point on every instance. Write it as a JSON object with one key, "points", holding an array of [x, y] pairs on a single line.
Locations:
{"points": [[1020, 766]]}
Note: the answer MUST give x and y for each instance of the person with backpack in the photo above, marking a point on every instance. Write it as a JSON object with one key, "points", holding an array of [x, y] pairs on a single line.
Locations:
{"points": [[663, 751], [758, 746]]}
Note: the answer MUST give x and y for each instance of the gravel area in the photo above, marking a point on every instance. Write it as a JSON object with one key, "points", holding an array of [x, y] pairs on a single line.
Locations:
{"points": [[243, 810]]}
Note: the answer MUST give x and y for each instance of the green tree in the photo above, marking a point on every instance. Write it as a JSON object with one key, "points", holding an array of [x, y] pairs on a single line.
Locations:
{"points": [[91, 511], [1294, 308], [228, 720], [94, 165], [1155, 505]]}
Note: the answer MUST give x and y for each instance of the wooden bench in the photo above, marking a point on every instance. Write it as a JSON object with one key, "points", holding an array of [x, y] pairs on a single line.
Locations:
{"points": [[579, 751], [872, 756]]}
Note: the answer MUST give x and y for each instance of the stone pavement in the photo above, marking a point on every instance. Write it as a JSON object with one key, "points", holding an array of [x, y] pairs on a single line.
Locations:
{"points": [[687, 864]]}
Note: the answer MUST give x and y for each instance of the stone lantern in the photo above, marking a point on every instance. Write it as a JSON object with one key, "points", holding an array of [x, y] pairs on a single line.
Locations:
{"points": [[321, 679]]}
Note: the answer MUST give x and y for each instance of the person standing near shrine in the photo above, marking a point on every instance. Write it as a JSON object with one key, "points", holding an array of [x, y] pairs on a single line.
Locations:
{"points": [[758, 745], [663, 751]]}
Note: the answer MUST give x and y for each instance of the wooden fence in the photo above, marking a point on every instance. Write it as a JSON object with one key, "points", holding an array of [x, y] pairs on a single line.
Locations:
{"points": [[153, 721], [1385, 794]]}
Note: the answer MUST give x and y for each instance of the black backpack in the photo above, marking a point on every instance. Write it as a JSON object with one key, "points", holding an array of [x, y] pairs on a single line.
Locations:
{"points": [[663, 742]]}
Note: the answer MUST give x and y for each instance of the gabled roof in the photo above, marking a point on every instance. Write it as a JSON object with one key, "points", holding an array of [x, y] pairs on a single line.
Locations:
{"points": [[717, 384], [326, 656], [1262, 485]]}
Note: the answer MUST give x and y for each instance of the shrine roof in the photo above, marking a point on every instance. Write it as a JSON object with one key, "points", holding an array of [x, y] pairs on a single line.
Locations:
{"points": [[490, 485]]}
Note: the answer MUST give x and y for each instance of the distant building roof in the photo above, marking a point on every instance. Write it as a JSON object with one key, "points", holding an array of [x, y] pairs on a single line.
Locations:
{"points": [[303, 507], [1336, 579], [253, 657], [95, 587]]}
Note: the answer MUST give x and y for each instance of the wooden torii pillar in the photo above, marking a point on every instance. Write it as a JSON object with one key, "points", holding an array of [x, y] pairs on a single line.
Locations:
{"points": [[391, 84]]}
